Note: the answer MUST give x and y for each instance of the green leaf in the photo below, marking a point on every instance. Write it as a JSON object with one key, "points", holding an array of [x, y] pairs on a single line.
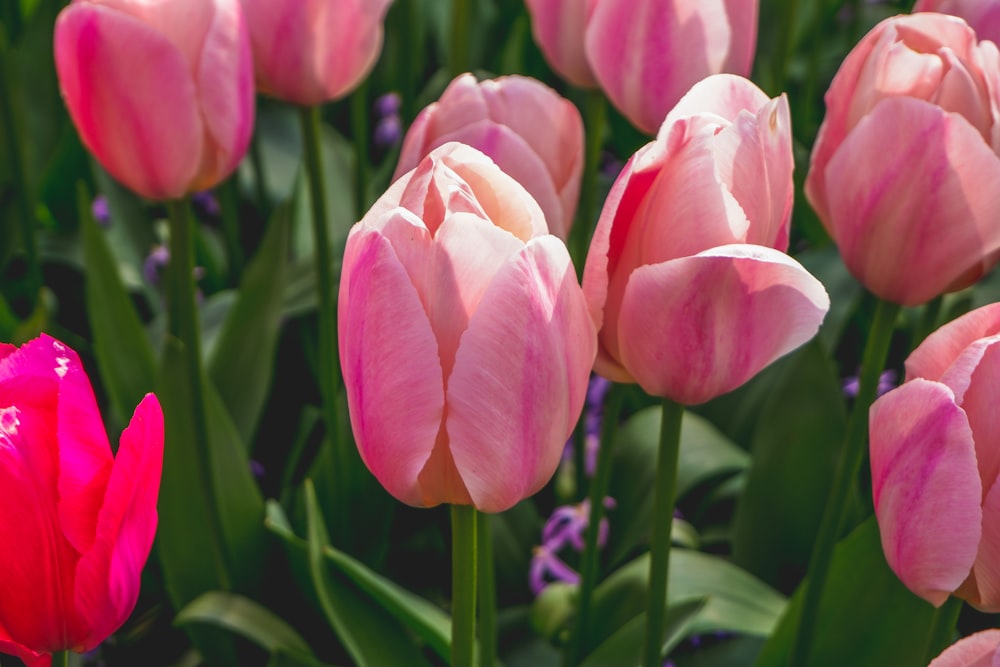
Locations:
{"points": [[625, 646], [867, 617], [241, 362], [795, 446], [124, 354], [825, 263], [370, 634], [247, 618]]}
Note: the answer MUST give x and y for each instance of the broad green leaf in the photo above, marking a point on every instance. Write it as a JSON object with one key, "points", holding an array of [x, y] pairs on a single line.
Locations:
{"points": [[241, 362], [825, 263], [625, 646], [867, 618], [795, 448], [124, 354]]}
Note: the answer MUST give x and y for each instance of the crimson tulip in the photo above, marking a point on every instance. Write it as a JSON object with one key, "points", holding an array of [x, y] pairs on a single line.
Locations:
{"points": [[935, 464], [160, 92], [464, 338], [78, 523], [686, 278], [524, 126], [905, 173]]}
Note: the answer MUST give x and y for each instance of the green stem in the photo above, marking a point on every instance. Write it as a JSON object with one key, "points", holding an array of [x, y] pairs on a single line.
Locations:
{"points": [[463, 588], [461, 15], [595, 112], [60, 659], [783, 47], [851, 457], [591, 548], [943, 630], [329, 367], [487, 592], [259, 176], [230, 202], [360, 132], [663, 519]]}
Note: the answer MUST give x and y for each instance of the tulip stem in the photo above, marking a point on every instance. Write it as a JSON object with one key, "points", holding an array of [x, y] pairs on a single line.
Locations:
{"points": [[783, 47], [60, 659], [259, 176], [663, 519], [591, 540], [487, 592], [461, 15], [359, 130], [328, 372], [463, 585], [851, 457], [595, 112], [230, 202], [928, 320]]}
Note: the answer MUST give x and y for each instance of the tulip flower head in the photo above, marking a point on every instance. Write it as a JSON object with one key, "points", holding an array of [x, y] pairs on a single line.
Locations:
{"points": [[905, 173], [686, 278], [464, 337], [78, 523], [981, 649], [524, 126], [161, 91], [935, 460], [983, 16]]}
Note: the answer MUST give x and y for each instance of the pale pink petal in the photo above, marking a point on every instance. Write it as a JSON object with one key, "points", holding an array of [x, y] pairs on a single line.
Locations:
{"points": [[348, 42], [558, 27], [115, 73], [743, 46], [882, 232], [520, 377], [389, 357], [940, 349], [926, 487], [976, 650], [697, 327], [986, 571], [724, 95]]}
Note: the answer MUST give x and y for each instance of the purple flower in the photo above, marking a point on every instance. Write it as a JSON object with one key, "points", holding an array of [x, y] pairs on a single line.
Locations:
{"points": [[206, 201], [546, 567], [886, 381], [387, 105], [566, 526], [100, 210], [155, 263], [388, 131]]}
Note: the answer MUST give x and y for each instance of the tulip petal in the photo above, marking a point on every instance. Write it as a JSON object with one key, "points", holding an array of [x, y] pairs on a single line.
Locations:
{"points": [[355, 27], [697, 327], [986, 570], [520, 377], [882, 231], [926, 487], [108, 576], [981, 649], [114, 71], [725, 95], [558, 27], [389, 356], [940, 349]]}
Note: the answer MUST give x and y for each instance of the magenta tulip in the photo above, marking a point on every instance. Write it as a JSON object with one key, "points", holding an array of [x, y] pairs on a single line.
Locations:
{"points": [[311, 51], [78, 523], [464, 337], [935, 457], [982, 15], [646, 54], [686, 278], [905, 174], [981, 649], [160, 92], [558, 27], [532, 133]]}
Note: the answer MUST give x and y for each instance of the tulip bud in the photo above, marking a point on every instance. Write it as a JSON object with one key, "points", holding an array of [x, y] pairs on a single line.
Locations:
{"points": [[161, 93], [981, 649], [983, 16], [558, 27]]}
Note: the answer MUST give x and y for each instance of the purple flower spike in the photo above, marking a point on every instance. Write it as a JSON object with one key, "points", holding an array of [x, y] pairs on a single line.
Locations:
{"points": [[545, 563], [101, 211], [388, 131], [388, 104], [154, 264], [206, 201], [886, 381]]}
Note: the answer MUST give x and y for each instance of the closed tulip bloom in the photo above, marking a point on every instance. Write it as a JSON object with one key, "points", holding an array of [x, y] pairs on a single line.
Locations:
{"points": [[905, 174], [558, 27], [686, 278], [78, 523], [161, 91], [311, 51], [935, 458], [464, 337], [983, 16], [646, 54], [981, 649], [525, 127]]}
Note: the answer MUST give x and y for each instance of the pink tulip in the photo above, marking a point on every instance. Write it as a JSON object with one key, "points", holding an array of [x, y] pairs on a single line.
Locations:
{"points": [[78, 523], [981, 649], [647, 53], [311, 51], [558, 27], [160, 92], [685, 277], [464, 337], [524, 126], [935, 457], [982, 15], [905, 174]]}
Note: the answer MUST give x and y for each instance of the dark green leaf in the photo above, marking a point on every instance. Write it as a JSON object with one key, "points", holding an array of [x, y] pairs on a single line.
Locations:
{"points": [[625, 646]]}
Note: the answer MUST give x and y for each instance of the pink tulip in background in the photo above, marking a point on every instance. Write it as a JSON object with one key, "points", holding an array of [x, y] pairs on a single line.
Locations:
{"points": [[78, 523], [935, 458], [686, 278], [558, 27], [646, 54], [982, 15], [161, 92], [981, 649], [905, 174], [464, 337], [311, 51], [532, 134]]}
